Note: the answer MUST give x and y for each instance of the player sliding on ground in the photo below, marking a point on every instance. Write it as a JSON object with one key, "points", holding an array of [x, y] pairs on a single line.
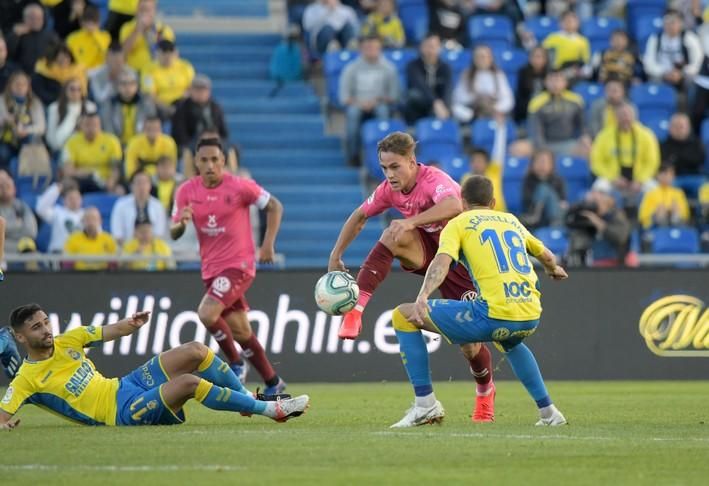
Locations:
{"points": [[57, 375], [427, 197], [495, 249]]}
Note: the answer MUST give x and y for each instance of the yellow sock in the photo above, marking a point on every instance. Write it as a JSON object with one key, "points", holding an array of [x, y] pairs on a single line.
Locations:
{"points": [[207, 361], [202, 390]]}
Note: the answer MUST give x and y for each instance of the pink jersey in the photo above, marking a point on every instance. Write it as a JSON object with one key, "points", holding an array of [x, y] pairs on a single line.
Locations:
{"points": [[221, 218], [432, 186]]}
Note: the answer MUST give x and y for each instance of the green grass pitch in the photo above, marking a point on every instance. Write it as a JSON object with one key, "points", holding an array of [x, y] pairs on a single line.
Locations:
{"points": [[620, 433]]}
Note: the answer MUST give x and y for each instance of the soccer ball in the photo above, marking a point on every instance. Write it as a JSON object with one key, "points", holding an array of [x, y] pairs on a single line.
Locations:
{"points": [[336, 293]]}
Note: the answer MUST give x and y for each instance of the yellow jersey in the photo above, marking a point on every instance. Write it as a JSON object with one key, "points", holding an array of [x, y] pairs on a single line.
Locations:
{"points": [[66, 383], [125, 7], [662, 196], [568, 48], [79, 243], [636, 150], [704, 193], [495, 249], [141, 54], [167, 84], [157, 248], [166, 192], [89, 48], [494, 173], [141, 154], [99, 154]]}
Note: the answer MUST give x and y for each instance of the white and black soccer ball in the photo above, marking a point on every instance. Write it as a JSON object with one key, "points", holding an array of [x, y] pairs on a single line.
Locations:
{"points": [[336, 293]]}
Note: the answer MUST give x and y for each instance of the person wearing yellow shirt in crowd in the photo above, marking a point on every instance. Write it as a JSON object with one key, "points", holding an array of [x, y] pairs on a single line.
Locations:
{"points": [[480, 165], [52, 71], [93, 156], [89, 44], [144, 243], [119, 12], [384, 22], [92, 240], [168, 78], [141, 35], [626, 156], [664, 205], [144, 150], [166, 181], [569, 50]]}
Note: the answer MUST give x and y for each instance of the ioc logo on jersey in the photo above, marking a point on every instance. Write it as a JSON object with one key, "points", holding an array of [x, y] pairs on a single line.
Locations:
{"points": [[221, 285]]}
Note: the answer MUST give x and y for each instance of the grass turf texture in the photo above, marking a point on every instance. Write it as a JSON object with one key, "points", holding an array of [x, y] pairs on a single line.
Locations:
{"points": [[620, 433]]}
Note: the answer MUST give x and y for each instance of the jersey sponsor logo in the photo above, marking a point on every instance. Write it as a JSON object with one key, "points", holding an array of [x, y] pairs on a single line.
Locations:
{"points": [[8, 395], [370, 199], [469, 296], [91, 330], [676, 326], [500, 334], [221, 286], [212, 228], [73, 354], [516, 290], [440, 189], [80, 379]]}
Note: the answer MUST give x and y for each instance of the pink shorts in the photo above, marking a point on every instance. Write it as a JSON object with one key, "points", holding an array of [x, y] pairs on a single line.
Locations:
{"points": [[229, 288]]}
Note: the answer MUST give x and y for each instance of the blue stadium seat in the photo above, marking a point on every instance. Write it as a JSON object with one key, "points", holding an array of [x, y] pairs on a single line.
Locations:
{"points": [[510, 61], [458, 59], [659, 125], [690, 184], [600, 27], [674, 240], [577, 175], [373, 131], [400, 58], [414, 17], [483, 133], [636, 9], [435, 152], [44, 234], [491, 29], [104, 202], [512, 176], [705, 131], [333, 65], [590, 92], [455, 165], [440, 131], [553, 238], [541, 26], [654, 97], [644, 26]]}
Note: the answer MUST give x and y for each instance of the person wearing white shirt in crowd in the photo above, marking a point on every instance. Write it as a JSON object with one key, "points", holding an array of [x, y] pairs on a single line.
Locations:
{"points": [[483, 89], [327, 21], [63, 115], [64, 219], [138, 205]]}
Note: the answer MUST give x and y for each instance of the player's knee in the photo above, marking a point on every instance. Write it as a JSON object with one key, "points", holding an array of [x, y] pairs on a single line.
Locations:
{"points": [[196, 351], [470, 350], [401, 321], [187, 383], [207, 316], [387, 238]]}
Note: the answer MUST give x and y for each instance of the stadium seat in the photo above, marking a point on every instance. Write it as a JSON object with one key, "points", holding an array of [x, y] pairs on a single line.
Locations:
{"points": [[333, 65], [414, 17], [400, 58], [600, 27], [510, 61], [577, 175], [491, 29], [654, 98], [512, 175], [643, 27], [483, 133], [455, 165], [373, 131], [440, 131], [541, 27], [44, 234], [643, 8], [659, 125], [690, 184], [590, 92], [705, 132], [458, 59], [104, 202], [674, 240], [555, 239]]}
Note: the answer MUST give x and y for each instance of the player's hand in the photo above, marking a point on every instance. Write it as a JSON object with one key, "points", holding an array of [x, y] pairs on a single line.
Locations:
{"points": [[336, 264], [420, 309], [10, 358], [400, 226], [139, 319], [10, 424], [557, 273], [186, 215], [266, 254]]}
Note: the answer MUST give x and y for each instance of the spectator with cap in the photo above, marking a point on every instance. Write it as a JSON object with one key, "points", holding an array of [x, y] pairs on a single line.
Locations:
{"points": [[141, 35], [167, 79], [93, 156], [664, 205], [368, 88], [64, 114], [385, 23], [89, 44], [197, 113], [54, 70], [29, 39], [166, 181], [145, 149], [602, 113], [7, 67], [20, 223], [90, 240], [119, 12], [124, 114], [429, 83], [146, 244], [330, 25], [139, 204], [682, 149], [103, 80], [64, 218]]}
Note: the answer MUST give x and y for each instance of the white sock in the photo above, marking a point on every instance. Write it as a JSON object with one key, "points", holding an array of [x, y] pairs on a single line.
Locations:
{"points": [[548, 411], [270, 410], [426, 401]]}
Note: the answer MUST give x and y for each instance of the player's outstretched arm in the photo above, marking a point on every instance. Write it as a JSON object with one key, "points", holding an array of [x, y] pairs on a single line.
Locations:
{"points": [[7, 422], [551, 268], [348, 233], [274, 214], [125, 327], [435, 275], [445, 209]]}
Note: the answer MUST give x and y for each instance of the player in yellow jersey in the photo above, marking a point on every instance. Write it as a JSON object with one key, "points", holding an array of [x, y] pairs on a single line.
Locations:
{"points": [[494, 247], [57, 376]]}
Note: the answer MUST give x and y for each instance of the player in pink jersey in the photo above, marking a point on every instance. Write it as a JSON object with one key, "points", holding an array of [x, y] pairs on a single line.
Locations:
{"points": [[428, 198], [218, 204]]}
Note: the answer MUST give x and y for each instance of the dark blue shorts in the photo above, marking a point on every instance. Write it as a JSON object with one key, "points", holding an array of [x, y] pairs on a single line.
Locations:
{"points": [[140, 400], [463, 322]]}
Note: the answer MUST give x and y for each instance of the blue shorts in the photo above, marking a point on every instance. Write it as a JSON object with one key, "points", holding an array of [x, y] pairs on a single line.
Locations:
{"points": [[140, 399], [463, 322]]}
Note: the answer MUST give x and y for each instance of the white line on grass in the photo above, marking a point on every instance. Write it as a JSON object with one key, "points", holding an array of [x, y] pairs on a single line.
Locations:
{"points": [[479, 435], [114, 468]]}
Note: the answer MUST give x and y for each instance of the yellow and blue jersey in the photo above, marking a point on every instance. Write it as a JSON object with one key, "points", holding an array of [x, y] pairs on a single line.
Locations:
{"points": [[495, 248], [67, 383]]}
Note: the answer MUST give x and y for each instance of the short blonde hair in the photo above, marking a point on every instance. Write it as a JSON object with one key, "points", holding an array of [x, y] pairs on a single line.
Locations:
{"points": [[400, 143]]}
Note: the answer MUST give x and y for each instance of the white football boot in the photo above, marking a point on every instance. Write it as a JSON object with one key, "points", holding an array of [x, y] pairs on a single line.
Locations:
{"points": [[416, 416], [556, 418]]}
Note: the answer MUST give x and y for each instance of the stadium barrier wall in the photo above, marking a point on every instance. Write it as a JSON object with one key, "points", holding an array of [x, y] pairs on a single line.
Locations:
{"points": [[611, 324]]}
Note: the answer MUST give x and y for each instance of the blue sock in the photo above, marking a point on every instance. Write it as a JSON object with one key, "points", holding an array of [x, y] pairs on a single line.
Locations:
{"points": [[221, 398], [218, 372], [527, 370], [414, 355]]}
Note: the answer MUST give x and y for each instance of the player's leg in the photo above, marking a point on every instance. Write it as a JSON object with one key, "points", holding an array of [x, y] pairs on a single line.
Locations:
{"points": [[210, 313], [241, 328], [408, 249]]}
